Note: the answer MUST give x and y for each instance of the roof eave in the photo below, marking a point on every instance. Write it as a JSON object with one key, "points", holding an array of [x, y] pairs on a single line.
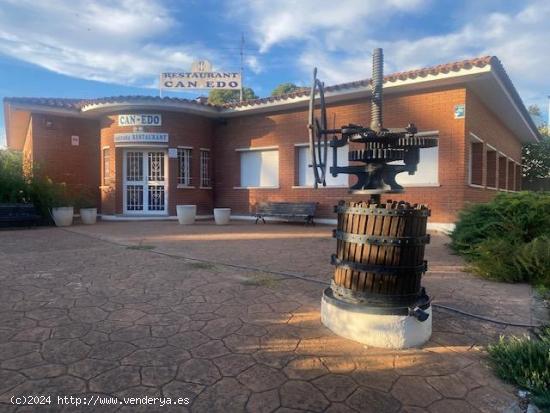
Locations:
{"points": [[512, 94], [109, 107], [357, 92]]}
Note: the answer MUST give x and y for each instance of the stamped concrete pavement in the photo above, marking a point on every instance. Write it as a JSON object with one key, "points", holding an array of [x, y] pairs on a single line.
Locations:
{"points": [[81, 314]]}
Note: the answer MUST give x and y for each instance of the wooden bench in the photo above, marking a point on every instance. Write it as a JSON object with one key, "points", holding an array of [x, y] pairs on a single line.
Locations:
{"points": [[288, 210], [17, 215]]}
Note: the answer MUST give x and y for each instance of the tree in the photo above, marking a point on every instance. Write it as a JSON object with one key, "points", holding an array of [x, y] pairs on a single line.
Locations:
{"points": [[284, 88], [223, 96], [536, 156]]}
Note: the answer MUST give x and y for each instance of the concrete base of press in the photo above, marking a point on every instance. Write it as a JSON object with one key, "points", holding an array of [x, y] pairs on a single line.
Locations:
{"points": [[376, 330]]}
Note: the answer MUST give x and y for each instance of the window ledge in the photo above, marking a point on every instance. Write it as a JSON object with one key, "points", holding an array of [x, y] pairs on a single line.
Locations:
{"points": [[256, 187], [476, 186], [180, 186], [205, 187], [320, 187]]}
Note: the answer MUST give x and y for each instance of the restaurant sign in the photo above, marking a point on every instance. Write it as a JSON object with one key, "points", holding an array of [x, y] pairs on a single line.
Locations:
{"points": [[201, 76], [140, 119], [141, 137]]}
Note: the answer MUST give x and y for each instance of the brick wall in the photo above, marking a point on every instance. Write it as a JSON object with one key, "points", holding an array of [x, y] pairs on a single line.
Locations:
{"points": [[28, 151], [494, 134], [49, 144], [183, 130], [56, 157], [429, 110]]}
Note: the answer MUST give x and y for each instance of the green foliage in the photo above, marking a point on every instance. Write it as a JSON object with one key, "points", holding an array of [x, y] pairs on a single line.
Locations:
{"points": [[536, 156], [36, 188], [525, 362], [284, 88], [222, 96], [44, 194], [536, 159], [13, 185], [533, 260], [84, 198], [507, 239]]}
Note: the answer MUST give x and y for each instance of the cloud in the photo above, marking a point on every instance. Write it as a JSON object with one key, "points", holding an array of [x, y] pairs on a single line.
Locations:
{"points": [[279, 21], [253, 63], [338, 38], [105, 41]]}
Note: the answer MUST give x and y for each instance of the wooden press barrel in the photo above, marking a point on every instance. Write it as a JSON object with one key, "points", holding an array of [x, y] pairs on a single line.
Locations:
{"points": [[380, 254]]}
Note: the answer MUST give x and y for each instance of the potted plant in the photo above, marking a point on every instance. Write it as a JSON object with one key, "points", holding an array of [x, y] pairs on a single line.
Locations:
{"points": [[62, 206], [222, 216], [87, 205], [186, 214]]}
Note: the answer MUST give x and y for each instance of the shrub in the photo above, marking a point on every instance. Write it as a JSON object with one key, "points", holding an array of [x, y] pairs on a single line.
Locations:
{"points": [[525, 362], [508, 238], [13, 186], [84, 198], [37, 188]]}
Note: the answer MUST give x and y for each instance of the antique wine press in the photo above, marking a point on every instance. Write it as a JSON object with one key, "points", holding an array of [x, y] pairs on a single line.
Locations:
{"points": [[376, 295]]}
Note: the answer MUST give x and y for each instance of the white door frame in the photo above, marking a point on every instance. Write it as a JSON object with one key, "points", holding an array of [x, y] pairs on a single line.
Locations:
{"points": [[144, 183]]}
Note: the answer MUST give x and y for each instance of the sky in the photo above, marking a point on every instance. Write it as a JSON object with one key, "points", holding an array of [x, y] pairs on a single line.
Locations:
{"points": [[87, 48]]}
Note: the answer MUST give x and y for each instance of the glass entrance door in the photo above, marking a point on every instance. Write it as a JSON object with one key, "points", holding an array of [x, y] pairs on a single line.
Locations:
{"points": [[145, 182]]}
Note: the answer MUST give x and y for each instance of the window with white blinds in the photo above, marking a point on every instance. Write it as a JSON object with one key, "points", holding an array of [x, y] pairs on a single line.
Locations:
{"points": [[427, 172], [260, 168], [305, 172]]}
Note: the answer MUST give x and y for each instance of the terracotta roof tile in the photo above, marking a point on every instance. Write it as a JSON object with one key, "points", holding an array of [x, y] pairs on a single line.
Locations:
{"points": [[411, 74], [78, 104]]}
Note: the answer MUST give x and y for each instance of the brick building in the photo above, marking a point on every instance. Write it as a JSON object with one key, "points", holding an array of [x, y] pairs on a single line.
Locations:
{"points": [[144, 155]]}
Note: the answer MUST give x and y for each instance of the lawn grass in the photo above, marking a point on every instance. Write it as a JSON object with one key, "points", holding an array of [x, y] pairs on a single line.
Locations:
{"points": [[261, 280], [525, 362], [141, 247], [200, 265]]}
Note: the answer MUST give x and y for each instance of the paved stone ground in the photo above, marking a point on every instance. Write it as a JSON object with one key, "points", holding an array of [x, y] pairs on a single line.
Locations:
{"points": [[84, 316]]}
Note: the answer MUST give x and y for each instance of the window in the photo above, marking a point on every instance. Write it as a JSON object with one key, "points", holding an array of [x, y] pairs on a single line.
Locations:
{"points": [[518, 177], [184, 166], [106, 166], [260, 168], [305, 172], [491, 168], [205, 169], [511, 175], [502, 172], [476, 163], [427, 170], [134, 166]]}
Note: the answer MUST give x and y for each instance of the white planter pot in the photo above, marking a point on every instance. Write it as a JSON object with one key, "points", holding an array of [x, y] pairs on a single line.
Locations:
{"points": [[88, 216], [186, 214], [63, 216], [222, 215]]}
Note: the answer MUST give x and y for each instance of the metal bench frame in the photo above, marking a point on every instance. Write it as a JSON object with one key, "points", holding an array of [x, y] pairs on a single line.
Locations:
{"points": [[287, 210], [18, 215]]}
